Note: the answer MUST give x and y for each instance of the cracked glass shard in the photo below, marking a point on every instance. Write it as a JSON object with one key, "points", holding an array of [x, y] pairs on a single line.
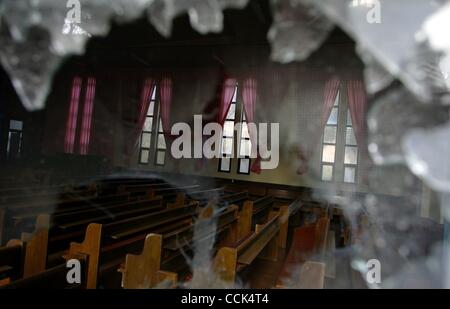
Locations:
{"points": [[205, 15], [394, 113], [376, 77], [36, 35], [403, 49], [64, 27], [426, 153], [297, 31]]}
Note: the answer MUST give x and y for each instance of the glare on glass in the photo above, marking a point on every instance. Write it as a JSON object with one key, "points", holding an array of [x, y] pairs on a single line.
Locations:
{"points": [[333, 116], [245, 132], [244, 166], [351, 155], [144, 156], [349, 118], [146, 138], [336, 100], [327, 172], [349, 174], [245, 149], [350, 138], [148, 124], [235, 94], [231, 112], [225, 165], [329, 135], [161, 142], [328, 153], [16, 125], [154, 93], [227, 146], [160, 157], [228, 129], [151, 108]]}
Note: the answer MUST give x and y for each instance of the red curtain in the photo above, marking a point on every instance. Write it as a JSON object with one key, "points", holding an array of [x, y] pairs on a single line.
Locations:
{"points": [[166, 102], [144, 103], [71, 123], [330, 93], [249, 97], [87, 116], [357, 102], [228, 89], [329, 96]]}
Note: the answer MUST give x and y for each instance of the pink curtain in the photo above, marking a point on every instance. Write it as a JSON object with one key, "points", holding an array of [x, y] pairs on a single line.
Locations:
{"points": [[329, 96], [330, 93], [249, 97], [228, 89], [71, 123], [166, 102], [358, 106], [85, 134], [144, 103]]}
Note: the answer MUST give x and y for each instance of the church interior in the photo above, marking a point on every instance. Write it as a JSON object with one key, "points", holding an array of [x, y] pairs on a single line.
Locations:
{"points": [[199, 160]]}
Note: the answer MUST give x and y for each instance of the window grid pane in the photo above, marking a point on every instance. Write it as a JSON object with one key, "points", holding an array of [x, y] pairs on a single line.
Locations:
{"points": [[244, 166], [146, 136], [327, 172], [350, 174], [225, 165]]}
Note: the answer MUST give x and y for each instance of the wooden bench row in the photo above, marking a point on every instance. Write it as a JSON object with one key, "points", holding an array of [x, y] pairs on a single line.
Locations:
{"points": [[111, 235]]}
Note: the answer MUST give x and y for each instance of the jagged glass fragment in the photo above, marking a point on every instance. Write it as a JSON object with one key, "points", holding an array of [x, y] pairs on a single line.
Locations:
{"points": [[427, 153], [395, 113], [297, 31], [205, 15], [36, 35], [403, 49]]}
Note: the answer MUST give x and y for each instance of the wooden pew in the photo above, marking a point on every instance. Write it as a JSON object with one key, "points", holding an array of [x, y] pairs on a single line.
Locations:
{"points": [[264, 243], [145, 271], [308, 252], [119, 235], [21, 218], [11, 257], [25, 257]]}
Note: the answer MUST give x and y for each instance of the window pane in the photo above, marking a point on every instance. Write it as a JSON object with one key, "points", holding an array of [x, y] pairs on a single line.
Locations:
{"points": [[235, 95], [349, 118], [245, 148], [144, 156], [327, 172], [228, 129], [154, 93], [148, 124], [350, 138], [328, 153], [333, 116], [225, 165], [160, 128], [227, 146], [329, 135], [146, 138], [244, 166], [245, 130], [161, 141], [151, 108], [231, 112], [336, 101], [349, 174], [351, 155], [16, 125], [160, 157]]}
